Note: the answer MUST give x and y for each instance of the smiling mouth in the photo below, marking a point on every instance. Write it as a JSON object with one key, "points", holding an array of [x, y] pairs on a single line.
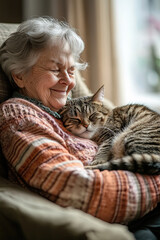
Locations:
{"points": [[59, 91]]}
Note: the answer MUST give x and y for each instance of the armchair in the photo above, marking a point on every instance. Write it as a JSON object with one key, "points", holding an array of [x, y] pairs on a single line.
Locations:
{"points": [[25, 215]]}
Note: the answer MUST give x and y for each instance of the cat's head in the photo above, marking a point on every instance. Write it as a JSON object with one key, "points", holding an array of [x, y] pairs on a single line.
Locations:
{"points": [[82, 116]]}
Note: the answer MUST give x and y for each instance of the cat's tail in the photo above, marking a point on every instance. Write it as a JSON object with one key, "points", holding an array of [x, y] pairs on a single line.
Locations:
{"points": [[140, 163]]}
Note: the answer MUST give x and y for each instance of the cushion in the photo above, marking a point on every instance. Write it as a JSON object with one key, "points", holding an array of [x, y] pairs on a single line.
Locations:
{"points": [[25, 215], [6, 29], [5, 87]]}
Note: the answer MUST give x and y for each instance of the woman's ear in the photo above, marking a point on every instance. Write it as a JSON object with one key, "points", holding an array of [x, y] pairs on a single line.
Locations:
{"points": [[18, 79]]}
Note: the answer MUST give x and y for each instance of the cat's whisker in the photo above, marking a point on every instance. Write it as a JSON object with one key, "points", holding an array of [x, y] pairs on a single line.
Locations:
{"points": [[110, 130]]}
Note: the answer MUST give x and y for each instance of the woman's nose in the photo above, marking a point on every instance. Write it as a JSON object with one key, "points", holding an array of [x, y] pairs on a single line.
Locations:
{"points": [[65, 77]]}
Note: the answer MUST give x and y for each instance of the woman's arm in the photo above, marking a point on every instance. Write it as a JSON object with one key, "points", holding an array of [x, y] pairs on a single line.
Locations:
{"points": [[41, 160]]}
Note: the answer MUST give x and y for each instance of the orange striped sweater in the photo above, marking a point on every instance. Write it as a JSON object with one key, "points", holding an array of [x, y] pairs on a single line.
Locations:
{"points": [[47, 159]]}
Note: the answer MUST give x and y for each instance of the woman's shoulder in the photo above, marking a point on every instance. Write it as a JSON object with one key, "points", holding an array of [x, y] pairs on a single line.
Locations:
{"points": [[17, 113], [17, 109], [20, 106], [13, 104]]}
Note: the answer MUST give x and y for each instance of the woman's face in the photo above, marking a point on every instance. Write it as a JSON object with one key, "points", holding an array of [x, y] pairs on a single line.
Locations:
{"points": [[51, 78]]}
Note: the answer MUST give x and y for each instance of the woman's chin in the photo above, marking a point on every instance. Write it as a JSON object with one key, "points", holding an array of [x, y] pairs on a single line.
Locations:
{"points": [[56, 105]]}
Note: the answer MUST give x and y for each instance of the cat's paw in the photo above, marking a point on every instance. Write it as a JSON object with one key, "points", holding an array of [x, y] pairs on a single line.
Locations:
{"points": [[98, 163], [101, 167], [91, 167], [98, 160]]}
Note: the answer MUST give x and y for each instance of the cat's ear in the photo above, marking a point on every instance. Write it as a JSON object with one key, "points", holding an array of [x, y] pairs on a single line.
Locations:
{"points": [[99, 95]]}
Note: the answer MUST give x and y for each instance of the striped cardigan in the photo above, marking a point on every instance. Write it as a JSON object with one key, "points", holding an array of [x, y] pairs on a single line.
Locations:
{"points": [[45, 158]]}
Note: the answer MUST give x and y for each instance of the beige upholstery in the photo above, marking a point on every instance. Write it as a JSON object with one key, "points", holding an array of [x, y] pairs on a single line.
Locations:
{"points": [[6, 29]]}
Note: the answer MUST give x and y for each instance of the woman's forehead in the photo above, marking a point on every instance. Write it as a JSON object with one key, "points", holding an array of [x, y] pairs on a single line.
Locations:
{"points": [[56, 55]]}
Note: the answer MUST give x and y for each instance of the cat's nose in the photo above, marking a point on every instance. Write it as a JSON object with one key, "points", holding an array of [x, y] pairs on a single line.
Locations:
{"points": [[85, 125]]}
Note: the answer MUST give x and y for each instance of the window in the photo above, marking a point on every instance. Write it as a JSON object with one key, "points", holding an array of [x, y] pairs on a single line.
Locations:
{"points": [[137, 24]]}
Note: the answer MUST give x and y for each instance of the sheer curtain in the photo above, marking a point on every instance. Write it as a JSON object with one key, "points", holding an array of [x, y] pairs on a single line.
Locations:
{"points": [[93, 20]]}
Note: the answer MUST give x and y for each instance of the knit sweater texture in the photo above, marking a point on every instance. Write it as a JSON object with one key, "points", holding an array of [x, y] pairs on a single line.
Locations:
{"points": [[45, 158]]}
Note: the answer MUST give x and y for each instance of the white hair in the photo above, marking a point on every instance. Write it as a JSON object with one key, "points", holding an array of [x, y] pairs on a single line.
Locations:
{"points": [[21, 50]]}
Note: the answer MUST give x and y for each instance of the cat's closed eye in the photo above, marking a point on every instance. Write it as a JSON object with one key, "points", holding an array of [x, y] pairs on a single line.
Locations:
{"points": [[76, 120], [95, 117], [92, 116]]}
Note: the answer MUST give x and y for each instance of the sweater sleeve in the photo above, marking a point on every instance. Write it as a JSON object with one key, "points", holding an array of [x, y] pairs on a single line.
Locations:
{"points": [[39, 157]]}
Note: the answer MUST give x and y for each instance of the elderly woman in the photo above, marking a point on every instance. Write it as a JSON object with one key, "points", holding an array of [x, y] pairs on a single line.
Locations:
{"points": [[40, 60]]}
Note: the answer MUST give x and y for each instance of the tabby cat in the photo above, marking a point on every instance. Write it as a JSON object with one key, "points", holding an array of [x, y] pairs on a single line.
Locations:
{"points": [[128, 137]]}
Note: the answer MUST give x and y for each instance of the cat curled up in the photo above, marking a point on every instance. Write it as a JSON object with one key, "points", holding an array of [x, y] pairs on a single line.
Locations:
{"points": [[128, 137]]}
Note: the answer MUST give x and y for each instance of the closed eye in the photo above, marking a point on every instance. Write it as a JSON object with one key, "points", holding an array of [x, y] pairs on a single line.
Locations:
{"points": [[93, 116], [76, 120], [71, 70], [55, 70]]}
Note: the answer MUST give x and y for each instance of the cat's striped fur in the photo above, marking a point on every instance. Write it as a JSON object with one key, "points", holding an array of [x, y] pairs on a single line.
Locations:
{"points": [[128, 136]]}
